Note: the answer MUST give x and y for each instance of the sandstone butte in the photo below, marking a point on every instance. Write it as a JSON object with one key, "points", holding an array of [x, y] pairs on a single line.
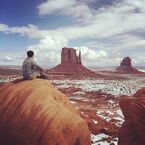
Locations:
{"points": [[132, 131], [126, 67], [35, 113], [71, 64]]}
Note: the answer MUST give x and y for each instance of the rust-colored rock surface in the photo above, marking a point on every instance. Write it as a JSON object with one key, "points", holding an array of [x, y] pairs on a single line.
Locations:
{"points": [[126, 61], [71, 64], [126, 67], [69, 56], [35, 113], [132, 131]]}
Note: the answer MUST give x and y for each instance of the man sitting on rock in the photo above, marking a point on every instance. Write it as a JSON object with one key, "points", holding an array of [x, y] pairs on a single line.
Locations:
{"points": [[31, 70]]}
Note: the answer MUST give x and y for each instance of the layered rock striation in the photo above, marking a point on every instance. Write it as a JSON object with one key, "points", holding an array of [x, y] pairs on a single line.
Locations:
{"points": [[71, 64], [35, 113], [126, 67], [132, 131]]}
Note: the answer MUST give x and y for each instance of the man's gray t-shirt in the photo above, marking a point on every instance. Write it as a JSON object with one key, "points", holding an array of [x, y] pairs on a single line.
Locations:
{"points": [[30, 68]]}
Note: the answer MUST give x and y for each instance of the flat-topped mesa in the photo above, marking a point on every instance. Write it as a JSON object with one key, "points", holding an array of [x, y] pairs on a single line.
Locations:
{"points": [[69, 56], [126, 67]]}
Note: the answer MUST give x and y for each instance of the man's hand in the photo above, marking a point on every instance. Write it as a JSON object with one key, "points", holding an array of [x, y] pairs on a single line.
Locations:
{"points": [[43, 72]]}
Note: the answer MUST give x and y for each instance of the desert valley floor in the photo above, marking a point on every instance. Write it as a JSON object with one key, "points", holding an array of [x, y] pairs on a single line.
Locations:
{"points": [[97, 101]]}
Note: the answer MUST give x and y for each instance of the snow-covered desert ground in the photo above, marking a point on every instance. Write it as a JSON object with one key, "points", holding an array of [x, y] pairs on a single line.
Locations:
{"points": [[97, 100], [114, 87]]}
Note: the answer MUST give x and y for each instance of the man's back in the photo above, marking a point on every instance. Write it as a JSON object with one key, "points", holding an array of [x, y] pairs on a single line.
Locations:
{"points": [[28, 68]]}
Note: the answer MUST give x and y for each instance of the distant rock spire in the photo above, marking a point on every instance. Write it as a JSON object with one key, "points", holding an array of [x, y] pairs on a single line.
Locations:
{"points": [[80, 61]]}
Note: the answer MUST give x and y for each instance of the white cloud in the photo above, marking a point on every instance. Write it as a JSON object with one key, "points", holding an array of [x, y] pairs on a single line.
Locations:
{"points": [[116, 20], [30, 31], [48, 49], [105, 22], [12, 58], [138, 43], [138, 60], [75, 8], [109, 27], [8, 58], [3, 27], [51, 6], [49, 43], [91, 56]]}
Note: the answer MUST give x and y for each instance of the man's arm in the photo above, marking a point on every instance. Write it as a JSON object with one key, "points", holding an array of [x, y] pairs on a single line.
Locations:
{"points": [[38, 67]]}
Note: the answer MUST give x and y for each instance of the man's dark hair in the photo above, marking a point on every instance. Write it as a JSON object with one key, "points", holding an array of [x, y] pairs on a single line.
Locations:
{"points": [[30, 53]]}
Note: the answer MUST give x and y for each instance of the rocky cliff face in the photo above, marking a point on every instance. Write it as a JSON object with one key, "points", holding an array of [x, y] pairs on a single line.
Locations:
{"points": [[126, 62], [132, 131], [126, 67], [71, 64], [35, 113], [69, 56]]}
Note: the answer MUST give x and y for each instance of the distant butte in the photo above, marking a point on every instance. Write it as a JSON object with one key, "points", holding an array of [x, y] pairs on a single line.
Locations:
{"points": [[69, 56], [126, 67], [71, 64]]}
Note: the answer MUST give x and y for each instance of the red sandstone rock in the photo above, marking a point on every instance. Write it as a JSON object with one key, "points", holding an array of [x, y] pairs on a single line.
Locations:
{"points": [[69, 56], [126, 61], [102, 126], [71, 64], [35, 113], [126, 67], [132, 131], [9, 72]]}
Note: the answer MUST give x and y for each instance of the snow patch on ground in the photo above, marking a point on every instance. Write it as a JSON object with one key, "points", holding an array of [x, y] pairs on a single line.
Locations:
{"points": [[95, 122], [114, 115], [98, 139], [119, 112], [114, 87], [105, 115]]}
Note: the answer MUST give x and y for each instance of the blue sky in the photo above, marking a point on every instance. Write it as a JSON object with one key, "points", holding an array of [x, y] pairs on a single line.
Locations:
{"points": [[104, 30]]}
